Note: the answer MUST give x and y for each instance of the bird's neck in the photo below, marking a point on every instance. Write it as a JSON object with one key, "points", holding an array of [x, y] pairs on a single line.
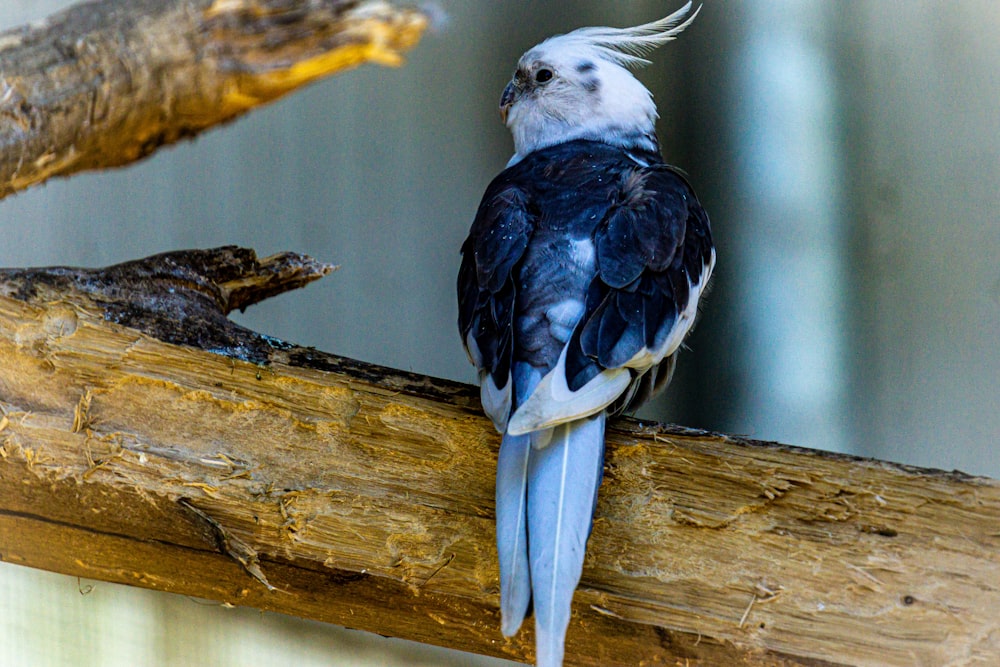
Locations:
{"points": [[627, 139]]}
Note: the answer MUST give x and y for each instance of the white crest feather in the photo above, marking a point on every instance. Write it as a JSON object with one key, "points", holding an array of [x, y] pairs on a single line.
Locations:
{"points": [[590, 92], [627, 46]]}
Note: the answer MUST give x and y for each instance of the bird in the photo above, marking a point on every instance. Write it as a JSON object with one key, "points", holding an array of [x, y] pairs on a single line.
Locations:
{"points": [[580, 279]]}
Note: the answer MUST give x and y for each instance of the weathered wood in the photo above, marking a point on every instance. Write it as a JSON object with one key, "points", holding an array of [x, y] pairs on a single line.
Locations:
{"points": [[284, 478], [108, 82]]}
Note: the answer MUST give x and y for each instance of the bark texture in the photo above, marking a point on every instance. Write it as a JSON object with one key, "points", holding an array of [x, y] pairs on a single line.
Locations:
{"points": [[105, 83], [146, 439]]}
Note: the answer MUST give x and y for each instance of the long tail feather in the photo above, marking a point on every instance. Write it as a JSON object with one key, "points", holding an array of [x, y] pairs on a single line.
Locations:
{"points": [[512, 531], [562, 487], [512, 515]]}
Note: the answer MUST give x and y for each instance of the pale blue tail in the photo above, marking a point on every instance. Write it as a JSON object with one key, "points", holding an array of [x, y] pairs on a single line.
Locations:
{"points": [[562, 489], [512, 531], [545, 505]]}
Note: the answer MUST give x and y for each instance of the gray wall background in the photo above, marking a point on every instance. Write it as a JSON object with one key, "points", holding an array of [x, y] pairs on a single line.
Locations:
{"points": [[848, 153]]}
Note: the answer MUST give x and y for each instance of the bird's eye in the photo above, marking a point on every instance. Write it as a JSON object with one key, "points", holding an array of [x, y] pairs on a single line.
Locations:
{"points": [[543, 75]]}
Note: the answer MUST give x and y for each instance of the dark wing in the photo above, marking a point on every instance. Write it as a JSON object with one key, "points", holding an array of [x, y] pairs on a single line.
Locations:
{"points": [[486, 288], [582, 219], [654, 259]]}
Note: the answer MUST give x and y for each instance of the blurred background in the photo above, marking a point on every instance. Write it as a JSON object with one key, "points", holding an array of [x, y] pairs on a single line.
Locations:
{"points": [[848, 154]]}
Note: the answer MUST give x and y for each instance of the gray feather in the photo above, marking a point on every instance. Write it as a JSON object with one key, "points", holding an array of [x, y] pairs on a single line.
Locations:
{"points": [[562, 487], [512, 531], [512, 515]]}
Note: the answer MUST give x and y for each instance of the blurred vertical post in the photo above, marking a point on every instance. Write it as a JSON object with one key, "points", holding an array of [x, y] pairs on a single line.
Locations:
{"points": [[764, 92], [923, 87]]}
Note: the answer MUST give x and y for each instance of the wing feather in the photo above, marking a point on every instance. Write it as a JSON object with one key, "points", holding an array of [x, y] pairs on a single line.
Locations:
{"points": [[487, 292], [654, 258]]}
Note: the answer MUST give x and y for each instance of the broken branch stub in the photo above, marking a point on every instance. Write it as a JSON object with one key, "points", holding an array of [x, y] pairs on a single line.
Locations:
{"points": [[103, 84], [181, 297], [331, 489]]}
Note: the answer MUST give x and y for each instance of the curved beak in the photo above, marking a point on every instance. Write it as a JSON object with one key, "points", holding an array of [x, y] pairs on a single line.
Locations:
{"points": [[507, 99]]}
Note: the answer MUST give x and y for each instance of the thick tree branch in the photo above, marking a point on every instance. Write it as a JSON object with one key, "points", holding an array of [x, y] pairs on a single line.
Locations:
{"points": [[230, 466], [107, 82]]}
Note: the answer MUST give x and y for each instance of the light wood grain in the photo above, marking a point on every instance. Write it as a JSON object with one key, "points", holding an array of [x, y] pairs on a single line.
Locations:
{"points": [[327, 488], [106, 83]]}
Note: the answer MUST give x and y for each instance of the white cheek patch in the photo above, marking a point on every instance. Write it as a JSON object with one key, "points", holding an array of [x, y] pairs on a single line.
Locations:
{"points": [[553, 402]]}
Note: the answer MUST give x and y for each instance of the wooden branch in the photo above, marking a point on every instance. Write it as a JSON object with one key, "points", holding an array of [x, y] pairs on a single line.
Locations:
{"points": [[147, 440], [106, 83]]}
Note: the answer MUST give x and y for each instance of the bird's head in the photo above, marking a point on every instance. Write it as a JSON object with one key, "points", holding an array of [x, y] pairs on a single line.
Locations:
{"points": [[578, 86]]}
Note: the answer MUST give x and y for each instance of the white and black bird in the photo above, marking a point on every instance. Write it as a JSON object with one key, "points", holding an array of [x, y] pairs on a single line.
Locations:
{"points": [[580, 278]]}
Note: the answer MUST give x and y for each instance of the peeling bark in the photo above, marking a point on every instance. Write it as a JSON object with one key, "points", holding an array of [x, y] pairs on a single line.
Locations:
{"points": [[202, 458]]}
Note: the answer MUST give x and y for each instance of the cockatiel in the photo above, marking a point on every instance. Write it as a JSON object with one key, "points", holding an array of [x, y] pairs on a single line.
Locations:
{"points": [[580, 279]]}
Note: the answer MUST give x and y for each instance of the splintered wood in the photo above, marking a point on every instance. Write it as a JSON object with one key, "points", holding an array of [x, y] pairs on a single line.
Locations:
{"points": [[230, 466]]}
